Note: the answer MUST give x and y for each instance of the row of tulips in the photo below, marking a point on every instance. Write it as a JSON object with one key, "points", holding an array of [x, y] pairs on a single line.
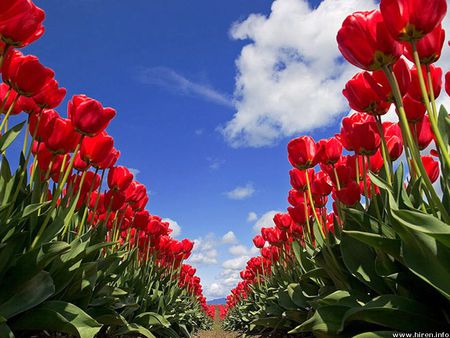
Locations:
{"points": [[374, 258], [80, 255]]}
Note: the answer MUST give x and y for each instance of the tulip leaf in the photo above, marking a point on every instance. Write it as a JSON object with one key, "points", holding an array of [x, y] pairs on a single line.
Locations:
{"points": [[7, 138], [388, 245], [5, 331], [396, 312], [27, 295], [61, 317], [134, 328]]}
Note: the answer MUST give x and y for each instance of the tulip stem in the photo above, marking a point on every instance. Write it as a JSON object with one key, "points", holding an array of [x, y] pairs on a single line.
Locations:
{"points": [[56, 196], [384, 151], [85, 212], [11, 107], [366, 192], [311, 201], [431, 113], [415, 155]]}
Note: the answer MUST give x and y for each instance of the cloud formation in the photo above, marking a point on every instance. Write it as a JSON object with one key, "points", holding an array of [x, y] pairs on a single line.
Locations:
{"points": [[241, 192], [290, 75], [168, 78], [266, 220], [176, 228], [229, 238]]}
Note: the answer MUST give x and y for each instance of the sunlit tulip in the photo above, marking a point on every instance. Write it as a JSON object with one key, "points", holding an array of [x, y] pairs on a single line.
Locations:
{"points": [[302, 152]]}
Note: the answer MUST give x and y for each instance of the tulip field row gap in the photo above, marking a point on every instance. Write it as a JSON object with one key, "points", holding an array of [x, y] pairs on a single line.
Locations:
{"points": [[80, 255], [364, 247]]}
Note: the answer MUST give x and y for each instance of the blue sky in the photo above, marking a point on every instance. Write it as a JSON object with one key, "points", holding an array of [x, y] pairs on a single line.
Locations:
{"points": [[177, 72]]}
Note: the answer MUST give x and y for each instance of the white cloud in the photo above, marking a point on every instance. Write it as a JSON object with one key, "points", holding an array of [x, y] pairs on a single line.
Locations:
{"points": [[198, 132], [215, 163], [176, 229], [216, 290], [229, 238], [241, 192], [204, 257], [170, 79], [252, 216], [290, 75], [204, 251], [265, 220], [237, 263], [242, 250]]}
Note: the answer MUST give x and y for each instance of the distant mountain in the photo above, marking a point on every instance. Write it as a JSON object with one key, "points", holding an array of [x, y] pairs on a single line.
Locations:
{"points": [[218, 301]]}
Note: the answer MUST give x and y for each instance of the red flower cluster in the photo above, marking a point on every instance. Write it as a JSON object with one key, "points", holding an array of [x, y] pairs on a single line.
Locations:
{"points": [[380, 42], [77, 153]]}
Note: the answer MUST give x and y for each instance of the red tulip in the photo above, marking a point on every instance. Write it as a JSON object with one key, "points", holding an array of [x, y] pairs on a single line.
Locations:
{"points": [[429, 47], [302, 152], [436, 79], [45, 127], [114, 200], [402, 74], [141, 219], [95, 149], [431, 167], [376, 162], [349, 195], [110, 159], [423, 133], [25, 73], [410, 20], [359, 133], [298, 214], [366, 43], [414, 110], [79, 164], [273, 235], [63, 139], [11, 98], [135, 192], [88, 115], [27, 105], [259, 241], [91, 182], [298, 178], [282, 221], [119, 178], [394, 140], [296, 198], [20, 22], [322, 184], [329, 150], [365, 95], [50, 96]]}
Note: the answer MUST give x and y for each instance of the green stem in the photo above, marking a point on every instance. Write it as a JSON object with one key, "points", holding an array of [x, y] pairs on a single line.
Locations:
{"points": [[384, 151], [311, 201]]}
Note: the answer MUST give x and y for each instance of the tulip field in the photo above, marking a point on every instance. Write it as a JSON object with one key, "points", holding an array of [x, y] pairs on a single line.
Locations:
{"points": [[362, 251]]}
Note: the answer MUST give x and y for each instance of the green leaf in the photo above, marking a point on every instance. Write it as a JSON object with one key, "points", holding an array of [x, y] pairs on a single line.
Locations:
{"points": [[395, 312], [7, 138], [388, 245], [27, 295], [32, 208], [61, 317], [5, 331], [134, 328]]}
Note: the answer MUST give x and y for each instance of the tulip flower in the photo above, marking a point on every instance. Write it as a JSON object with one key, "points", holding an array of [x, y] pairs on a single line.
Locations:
{"points": [[411, 20], [296, 198], [259, 241], [422, 133], [402, 73], [298, 214], [114, 200], [366, 43], [429, 47], [431, 167], [50, 96], [21, 22], [349, 195], [365, 95], [282, 221], [9, 104], [298, 178], [329, 150], [79, 164], [394, 140], [27, 105], [302, 152], [376, 162], [119, 178], [25, 74], [45, 127], [88, 115], [414, 110], [95, 149], [436, 79], [63, 139], [141, 219], [359, 133], [110, 159], [322, 184]]}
